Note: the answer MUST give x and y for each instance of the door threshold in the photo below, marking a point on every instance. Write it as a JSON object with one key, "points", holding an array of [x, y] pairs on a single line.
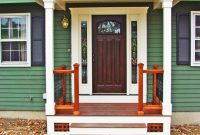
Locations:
{"points": [[109, 94], [108, 98]]}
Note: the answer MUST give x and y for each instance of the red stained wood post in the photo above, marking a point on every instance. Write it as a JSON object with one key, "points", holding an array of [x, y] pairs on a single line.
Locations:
{"points": [[64, 89], [155, 66], [140, 89], [76, 89]]}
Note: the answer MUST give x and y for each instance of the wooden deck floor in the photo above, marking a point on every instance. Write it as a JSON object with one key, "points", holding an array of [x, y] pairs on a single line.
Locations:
{"points": [[107, 109]]}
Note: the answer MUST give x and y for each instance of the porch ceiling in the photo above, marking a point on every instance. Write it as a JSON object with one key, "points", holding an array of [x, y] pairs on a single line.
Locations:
{"points": [[61, 3]]}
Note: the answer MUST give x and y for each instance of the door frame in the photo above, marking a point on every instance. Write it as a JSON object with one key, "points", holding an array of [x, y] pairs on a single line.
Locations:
{"points": [[138, 14]]}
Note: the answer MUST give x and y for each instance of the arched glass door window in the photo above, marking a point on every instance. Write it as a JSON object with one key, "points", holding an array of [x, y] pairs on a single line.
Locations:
{"points": [[109, 27]]}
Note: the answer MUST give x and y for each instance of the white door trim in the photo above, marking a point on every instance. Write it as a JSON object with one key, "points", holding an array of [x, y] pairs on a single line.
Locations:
{"points": [[138, 14]]}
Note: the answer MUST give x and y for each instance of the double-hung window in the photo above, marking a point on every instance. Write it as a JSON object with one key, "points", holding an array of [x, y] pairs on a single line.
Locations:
{"points": [[15, 40], [195, 38]]}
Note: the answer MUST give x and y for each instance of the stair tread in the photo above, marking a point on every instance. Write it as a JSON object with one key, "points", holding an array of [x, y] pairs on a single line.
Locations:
{"points": [[108, 125]]}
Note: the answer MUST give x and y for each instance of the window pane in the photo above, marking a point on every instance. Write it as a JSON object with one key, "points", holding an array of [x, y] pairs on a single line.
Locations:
{"points": [[4, 23], [14, 55], [134, 50], [6, 46], [197, 20], [22, 25], [197, 32], [14, 51], [197, 44], [197, 56], [14, 33], [23, 46], [109, 27], [13, 28], [15, 46], [14, 23], [84, 50], [4, 33], [23, 56], [5, 56]]}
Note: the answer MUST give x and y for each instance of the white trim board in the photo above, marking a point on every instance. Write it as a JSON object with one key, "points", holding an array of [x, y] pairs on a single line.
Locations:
{"points": [[138, 14]]}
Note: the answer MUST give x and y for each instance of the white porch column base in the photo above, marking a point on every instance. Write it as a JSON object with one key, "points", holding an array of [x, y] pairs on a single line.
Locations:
{"points": [[49, 51], [50, 108], [167, 109], [167, 45]]}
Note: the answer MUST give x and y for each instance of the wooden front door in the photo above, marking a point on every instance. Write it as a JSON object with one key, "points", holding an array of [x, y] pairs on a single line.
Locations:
{"points": [[109, 54]]}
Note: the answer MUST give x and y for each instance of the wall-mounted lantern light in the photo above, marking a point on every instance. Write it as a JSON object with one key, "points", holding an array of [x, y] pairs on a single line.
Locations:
{"points": [[65, 22]]}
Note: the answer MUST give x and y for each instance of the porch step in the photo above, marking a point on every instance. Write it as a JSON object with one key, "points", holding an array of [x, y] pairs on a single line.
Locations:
{"points": [[108, 128]]}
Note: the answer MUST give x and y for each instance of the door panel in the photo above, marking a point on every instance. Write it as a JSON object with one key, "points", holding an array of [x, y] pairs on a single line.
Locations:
{"points": [[109, 54]]}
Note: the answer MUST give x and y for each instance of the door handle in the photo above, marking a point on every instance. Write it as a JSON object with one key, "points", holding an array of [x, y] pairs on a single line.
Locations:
{"points": [[93, 58]]}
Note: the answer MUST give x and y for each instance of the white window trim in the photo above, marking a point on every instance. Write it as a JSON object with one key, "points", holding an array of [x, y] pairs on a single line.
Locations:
{"points": [[193, 62], [28, 40]]}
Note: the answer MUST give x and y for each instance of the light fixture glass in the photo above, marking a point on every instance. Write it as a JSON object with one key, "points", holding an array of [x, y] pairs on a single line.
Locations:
{"points": [[65, 22]]}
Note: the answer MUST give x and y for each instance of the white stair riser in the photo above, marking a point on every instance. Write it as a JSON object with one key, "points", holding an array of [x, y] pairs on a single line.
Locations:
{"points": [[109, 131]]}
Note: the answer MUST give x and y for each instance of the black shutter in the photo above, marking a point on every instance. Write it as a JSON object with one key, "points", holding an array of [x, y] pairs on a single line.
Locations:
{"points": [[183, 39], [38, 41]]}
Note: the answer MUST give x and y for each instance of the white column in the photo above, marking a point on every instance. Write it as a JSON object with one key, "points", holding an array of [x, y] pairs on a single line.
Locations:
{"points": [[49, 51], [167, 45], [74, 41]]}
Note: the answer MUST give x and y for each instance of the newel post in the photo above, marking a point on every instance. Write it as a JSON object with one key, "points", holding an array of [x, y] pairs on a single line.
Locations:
{"points": [[155, 66], [76, 89], [140, 89], [64, 89]]}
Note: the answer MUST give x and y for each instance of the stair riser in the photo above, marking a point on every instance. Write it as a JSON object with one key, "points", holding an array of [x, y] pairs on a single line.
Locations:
{"points": [[110, 131]]}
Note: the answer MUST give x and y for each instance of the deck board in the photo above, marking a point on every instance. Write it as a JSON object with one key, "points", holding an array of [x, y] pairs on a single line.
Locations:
{"points": [[107, 109], [108, 125]]}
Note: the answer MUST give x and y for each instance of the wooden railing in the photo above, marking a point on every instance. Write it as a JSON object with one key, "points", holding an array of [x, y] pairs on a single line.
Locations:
{"points": [[156, 103], [61, 102]]}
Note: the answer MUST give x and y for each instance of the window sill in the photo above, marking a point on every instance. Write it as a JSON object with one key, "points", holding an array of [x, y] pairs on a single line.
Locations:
{"points": [[15, 64], [195, 64]]}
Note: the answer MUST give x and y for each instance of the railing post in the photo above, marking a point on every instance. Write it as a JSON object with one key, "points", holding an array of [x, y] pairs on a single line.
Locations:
{"points": [[76, 89], [140, 89], [64, 89], [155, 66]]}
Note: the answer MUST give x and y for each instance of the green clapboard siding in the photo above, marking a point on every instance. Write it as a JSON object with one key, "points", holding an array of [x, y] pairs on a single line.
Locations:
{"points": [[154, 43], [185, 79], [16, 1], [62, 46], [21, 88]]}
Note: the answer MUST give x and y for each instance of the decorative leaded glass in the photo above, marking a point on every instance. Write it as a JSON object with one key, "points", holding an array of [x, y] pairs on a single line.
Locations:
{"points": [[84, 50], [109, 27], [134, 51]]}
